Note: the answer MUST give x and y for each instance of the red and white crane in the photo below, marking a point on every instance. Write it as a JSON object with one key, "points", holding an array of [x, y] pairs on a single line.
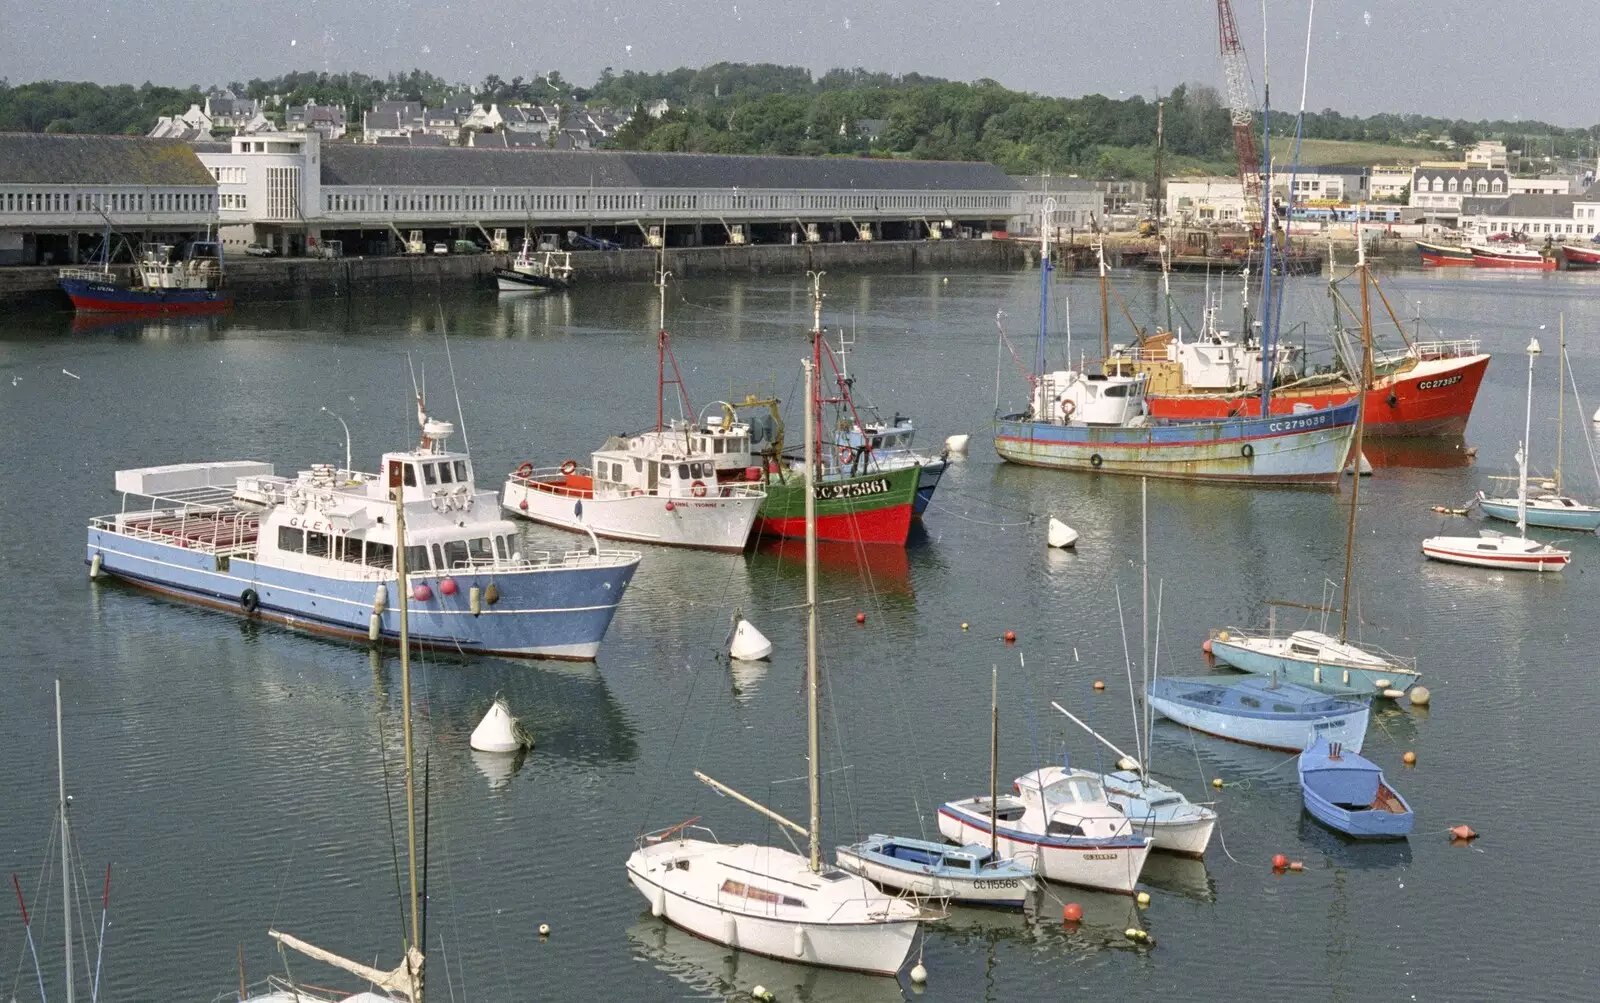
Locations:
{"points": [[1241, 108]]}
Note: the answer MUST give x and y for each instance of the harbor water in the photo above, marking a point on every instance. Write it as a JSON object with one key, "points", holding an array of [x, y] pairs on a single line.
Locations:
{"points": [[235, 774]]}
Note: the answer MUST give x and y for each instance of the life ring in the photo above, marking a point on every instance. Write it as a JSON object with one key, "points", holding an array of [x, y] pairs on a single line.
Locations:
{"points": [[568, 467], [525, 471], [698, 489], [1247, 450], [249, 601], [1095, 460], [1068, 409], [847, 455]]}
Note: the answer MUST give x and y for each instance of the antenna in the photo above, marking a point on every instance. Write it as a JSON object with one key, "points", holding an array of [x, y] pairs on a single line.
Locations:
{"points": [[461, 421]]}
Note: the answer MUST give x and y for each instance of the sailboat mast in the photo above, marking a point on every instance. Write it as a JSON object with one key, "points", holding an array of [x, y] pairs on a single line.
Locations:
{"points": [[994, 763], [1046, 224], [1361, 422], [661, 341], [1522, 455], [1105, 306], [397, 489], [813, 775], [1561, 400], [1144, 581], [66, 843]]}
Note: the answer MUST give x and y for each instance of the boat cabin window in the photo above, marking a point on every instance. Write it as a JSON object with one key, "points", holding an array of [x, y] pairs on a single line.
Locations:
{"points": [[638, 465], [317, 545], [380, 555], [478, 549], [461, 471], [1079, 789], [411, 475], [445, 474], [683, 471], [1487, 546], [1304, 649], [1057, 828], [959, 863], [428, 474], [741, 890], [1282, 708], [350, 549], [417, 558], [1249, 702], [291, 539], [455, 554], [1119, 390]]}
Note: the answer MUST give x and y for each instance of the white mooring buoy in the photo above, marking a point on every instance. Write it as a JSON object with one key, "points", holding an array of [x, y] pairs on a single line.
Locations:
{"points": [[1366, 467], [1062, 535], [499, 731], [957, 444], [749, 644]]}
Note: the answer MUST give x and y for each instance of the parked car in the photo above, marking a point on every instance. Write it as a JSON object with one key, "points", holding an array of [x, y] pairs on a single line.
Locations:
{"points": [[466, 247], [441, 248], [259, 251]]}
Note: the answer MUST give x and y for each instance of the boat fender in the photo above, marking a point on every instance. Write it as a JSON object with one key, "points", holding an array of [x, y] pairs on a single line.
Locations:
{"points": [[569, 467], [491, 595], [730, 929], [380, 599], [1247, 450], [1095, 461], [698, 489], [475, 600], [658, 907], [94, 566], [524, 472], [374, 626], [249, 601], [799, 941]]}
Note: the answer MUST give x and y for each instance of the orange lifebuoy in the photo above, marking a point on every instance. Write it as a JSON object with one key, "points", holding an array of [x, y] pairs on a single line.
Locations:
{"points": [[568, 467], [847, 455], [525, 471], [698, 489]]}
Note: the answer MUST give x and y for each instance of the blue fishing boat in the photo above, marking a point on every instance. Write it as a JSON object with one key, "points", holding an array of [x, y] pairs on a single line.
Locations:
{"points": [[1256, 710], [317, 552], [871, 444], [1349, 793], [971, 874]]}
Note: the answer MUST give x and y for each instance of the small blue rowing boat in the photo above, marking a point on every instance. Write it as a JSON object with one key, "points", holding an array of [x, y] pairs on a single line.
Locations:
{"points": [[967, 874], [1260, 711], [1349, 793]]}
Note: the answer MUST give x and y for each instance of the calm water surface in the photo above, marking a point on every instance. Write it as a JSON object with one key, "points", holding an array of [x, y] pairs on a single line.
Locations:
{"points": [[235, 774]]}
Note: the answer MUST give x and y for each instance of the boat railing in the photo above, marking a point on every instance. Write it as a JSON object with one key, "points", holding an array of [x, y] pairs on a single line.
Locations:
{"points": [[204, 519], [1446, 349], [86, 274], [544, 479], [662, 835]]}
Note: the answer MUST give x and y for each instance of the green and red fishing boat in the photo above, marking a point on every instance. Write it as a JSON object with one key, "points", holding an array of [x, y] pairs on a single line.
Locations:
{"points": [[871, 508]]}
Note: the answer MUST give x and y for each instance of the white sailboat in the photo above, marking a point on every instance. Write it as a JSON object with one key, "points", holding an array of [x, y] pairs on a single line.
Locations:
{"points": [[767, 900], [404, 982], [1490, 549], [1313, 657], [660, 486]]}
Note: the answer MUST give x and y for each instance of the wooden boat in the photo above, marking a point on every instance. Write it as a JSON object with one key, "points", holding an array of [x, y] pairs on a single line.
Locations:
{"points": [[1447, 255], [1509, 255], [1579, 256], [1349, 793], [1256, 710]]}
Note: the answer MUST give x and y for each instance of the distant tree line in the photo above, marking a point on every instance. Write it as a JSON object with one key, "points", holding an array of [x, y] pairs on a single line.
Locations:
{"points": [[765, 108]]}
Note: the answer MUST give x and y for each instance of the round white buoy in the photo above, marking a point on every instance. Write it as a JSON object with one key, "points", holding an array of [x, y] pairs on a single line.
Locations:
{"points": [[499, 731], [544, 929], [1061, 535], [1420, 696], [749, 644], [1366, 467], [919, 973], [1596, 415], [957, 444]]}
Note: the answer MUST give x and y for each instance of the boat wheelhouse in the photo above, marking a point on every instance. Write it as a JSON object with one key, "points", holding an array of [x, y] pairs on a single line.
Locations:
{"points": [[316, 551], [535, 271]]}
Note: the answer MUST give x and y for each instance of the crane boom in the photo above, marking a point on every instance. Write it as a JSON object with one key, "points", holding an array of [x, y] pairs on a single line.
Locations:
{"points": [[1241, 109]]}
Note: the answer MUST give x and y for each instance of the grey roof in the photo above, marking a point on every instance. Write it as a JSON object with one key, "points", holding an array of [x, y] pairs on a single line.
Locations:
{"points": [[1471, 173], [409, 139], [1051, 183], [380, 165], [30, 158], [1549, 206]]}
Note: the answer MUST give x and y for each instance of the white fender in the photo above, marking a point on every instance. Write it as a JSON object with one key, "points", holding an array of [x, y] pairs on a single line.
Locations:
{"points": [[799, 941], [380, 599], [95, 563], [475, 600], [658, 902], [730, 930], [374, 626]]}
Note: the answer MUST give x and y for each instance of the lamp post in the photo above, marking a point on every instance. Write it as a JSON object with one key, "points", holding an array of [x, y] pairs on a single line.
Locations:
{"points": [[346, 439]]}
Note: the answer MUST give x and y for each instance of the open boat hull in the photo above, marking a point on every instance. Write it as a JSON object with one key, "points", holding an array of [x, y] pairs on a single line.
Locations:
{"points": [[1286, 732], [1350, 794]]}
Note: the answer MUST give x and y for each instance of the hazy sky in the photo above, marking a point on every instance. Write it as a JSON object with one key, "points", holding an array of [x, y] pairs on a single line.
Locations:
{"points": [[1454, 58]]}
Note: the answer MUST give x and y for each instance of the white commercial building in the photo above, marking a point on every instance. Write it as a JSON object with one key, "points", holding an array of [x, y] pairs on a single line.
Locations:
{"points": [[1205, 200]]}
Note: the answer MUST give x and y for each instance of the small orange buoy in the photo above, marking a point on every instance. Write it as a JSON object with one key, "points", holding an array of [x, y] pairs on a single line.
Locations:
{"points": [[1099, 684], [1462, 832], [1072, 912], [861, 618], [1279, 861], [1216, 782], [1205, 646], [1410, 758], [1011, 637], [1296, 866]]}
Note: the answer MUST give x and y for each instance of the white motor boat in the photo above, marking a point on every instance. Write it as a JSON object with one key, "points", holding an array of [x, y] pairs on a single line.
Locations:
{"points": [[1065, 829], [1490, 549], [1156, 810]]}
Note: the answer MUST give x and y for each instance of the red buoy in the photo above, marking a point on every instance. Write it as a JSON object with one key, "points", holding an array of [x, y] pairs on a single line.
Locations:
{"points": [[1279, 861], [523, 505], [422, 593], [861, 618], [1462, 832], [1072, 912], [448, 586], [1205, 646], [1011, 637], [671, 507]]}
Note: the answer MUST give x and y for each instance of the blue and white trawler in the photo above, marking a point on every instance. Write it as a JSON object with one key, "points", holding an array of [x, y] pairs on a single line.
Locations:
{"points": [[317, 552]]}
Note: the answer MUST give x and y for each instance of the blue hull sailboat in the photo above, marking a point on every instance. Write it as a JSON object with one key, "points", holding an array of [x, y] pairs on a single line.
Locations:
{"points": [[1349, 793], [1259, 711], [1551, 511]]}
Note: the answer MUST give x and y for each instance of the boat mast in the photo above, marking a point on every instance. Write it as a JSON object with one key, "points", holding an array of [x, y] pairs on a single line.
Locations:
{"points": [[1045, 226], [813, 775], [66, 842], [994, 763], [1561, 400], [397, 490], [1522, 454], [1105, 306], [1354, 457], [1267, 337]]}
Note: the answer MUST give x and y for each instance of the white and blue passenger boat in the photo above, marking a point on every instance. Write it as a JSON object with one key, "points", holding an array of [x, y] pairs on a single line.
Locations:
{"points": [[317, 552], [1255, 710]]}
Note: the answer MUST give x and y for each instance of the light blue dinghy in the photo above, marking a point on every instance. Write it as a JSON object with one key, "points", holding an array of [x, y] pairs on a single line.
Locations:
{"points": [[970, 874], [1348, 793], [1256, 710]]}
